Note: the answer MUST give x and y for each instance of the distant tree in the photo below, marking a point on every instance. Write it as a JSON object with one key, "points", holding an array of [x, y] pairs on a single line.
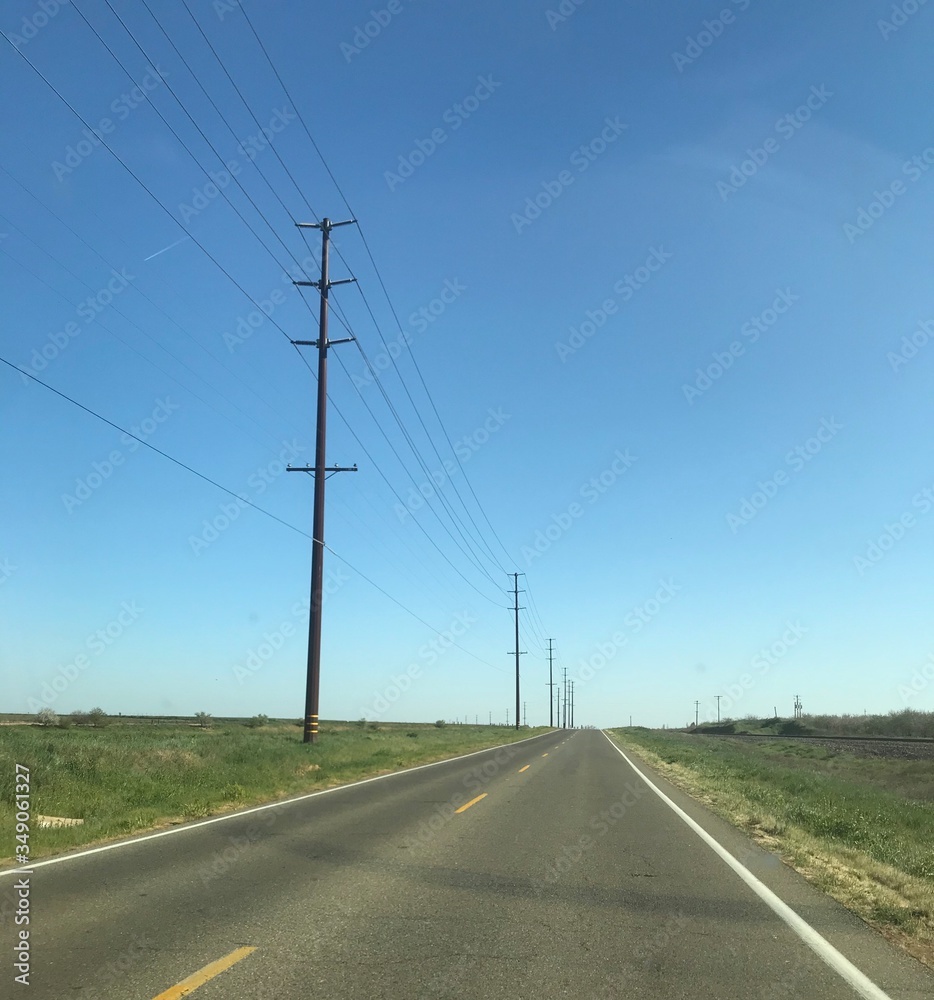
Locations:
{"points": [[440, 724], [257, 721], [79, 717], [65, 722], [46, 717], [98, 718], [203, 719]]}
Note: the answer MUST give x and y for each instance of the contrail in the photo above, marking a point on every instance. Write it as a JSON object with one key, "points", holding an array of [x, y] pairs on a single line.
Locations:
{"points": [[169, 247]]}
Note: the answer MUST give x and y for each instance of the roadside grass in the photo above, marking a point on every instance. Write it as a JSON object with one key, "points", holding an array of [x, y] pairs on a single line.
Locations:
{"points": [[862, 829], [128, 778]]}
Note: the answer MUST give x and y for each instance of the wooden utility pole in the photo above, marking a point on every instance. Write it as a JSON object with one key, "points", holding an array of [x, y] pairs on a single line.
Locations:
{"points": [[320, 471]]}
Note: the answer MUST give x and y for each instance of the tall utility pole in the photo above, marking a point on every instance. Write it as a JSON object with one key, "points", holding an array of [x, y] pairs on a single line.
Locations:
{"points": [[564, 724], [515, 577], [696, 713], [525, 718], [572, 704], [320, 471], [718, 708], [551, 685], [507, 716]]}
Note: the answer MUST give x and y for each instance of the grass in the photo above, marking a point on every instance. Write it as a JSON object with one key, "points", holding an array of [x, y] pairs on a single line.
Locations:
{"points": [[862, 829], [128, 777], [903, 723]]}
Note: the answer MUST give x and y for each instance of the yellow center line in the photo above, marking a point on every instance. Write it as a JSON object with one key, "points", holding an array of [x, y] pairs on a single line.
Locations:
{"points": [[521, 769], [463, 808], [544, 754], [200, 977]]}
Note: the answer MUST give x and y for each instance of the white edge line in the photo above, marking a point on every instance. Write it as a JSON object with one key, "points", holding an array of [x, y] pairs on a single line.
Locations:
{"points": [[824, 950], [255, 809]]}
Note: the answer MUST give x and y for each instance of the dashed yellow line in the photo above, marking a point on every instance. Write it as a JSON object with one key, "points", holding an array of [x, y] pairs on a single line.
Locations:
{"points": [[200, 977], [521, 769], [463, 808], [544, 754]]}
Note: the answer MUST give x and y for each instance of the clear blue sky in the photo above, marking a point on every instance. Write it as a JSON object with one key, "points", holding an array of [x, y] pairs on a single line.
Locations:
{"points": [[589, 203]]}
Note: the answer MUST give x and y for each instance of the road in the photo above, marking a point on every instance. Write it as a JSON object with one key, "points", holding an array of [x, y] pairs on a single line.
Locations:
{"points": [[569, 877]]}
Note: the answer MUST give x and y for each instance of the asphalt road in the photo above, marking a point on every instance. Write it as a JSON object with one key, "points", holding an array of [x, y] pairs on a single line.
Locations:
{"points": [[569, 878]]}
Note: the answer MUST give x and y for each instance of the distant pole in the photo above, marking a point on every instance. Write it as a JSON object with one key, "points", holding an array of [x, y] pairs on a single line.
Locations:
{"points": [[491, 718], [696, 713], [718, 708], [525, 718], [630, 722], [515, 577], [507, 716], [564, 724], [320, 471], [572, 704], [551, 685]]}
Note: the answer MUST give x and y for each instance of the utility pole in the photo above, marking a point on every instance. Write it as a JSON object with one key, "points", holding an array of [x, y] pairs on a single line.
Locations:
{"points": [[525, 718], [551, 686], [320, 471], [718, 708], [515, 577], [491, 718], [572, 704], [696, 713], [564, 724], [507, 717]]}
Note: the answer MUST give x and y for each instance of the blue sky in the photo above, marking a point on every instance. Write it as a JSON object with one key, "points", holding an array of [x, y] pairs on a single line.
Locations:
{"points": [[664, 271]]}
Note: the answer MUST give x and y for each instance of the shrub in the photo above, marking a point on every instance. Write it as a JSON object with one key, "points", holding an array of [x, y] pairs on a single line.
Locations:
{"points": [[203, 719], [98, 718], [440, 724], [257, 721], [46, 717]]}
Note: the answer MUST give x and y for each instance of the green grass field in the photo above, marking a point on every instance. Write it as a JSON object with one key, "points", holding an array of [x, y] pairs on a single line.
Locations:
{"points": [[862, 828], [131, 777]]}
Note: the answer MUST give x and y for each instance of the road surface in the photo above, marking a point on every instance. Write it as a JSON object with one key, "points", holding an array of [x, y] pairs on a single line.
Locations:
{"points": [[547, 869]]}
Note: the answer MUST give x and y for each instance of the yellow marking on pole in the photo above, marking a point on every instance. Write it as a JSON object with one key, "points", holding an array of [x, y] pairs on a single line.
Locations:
{"points": [[200, 977], [521, 769], [472, 802]]}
